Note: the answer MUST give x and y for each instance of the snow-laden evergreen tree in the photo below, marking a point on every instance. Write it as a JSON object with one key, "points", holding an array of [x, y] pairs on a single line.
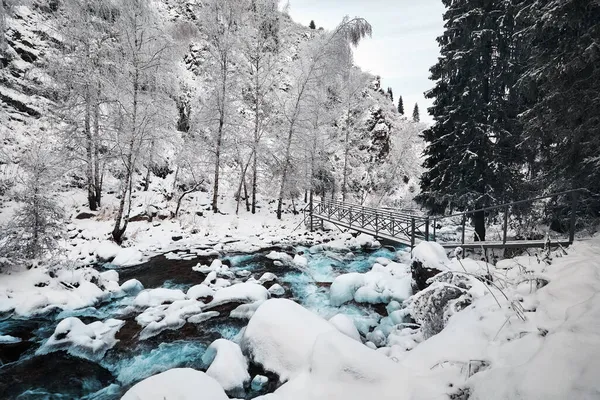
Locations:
{"points": [[415, 115], [35, 227], [472, 157], [400, 106], [561, 84], [312, 25], [390, 94]]}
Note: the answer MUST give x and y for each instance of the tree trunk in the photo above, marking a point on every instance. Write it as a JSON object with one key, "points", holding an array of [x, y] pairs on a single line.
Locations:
{"points": [[254, 184], [89, 144], [149, 168], [246, 197], [288, 148], [215, 198], [479, 222], [346, 150], [97, 174]]}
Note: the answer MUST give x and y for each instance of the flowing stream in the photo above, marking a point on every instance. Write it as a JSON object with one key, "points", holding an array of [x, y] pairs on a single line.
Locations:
{"points": [[58, 375]]}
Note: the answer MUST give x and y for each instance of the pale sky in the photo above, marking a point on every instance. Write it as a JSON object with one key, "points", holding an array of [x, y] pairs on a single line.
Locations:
{"points": [[403, 46]]}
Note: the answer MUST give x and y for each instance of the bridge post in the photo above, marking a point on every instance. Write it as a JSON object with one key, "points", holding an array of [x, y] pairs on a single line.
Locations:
{"points": [[412, 233], [573, 217], [310, 211], [464, 223], [427, 229], [505, 228], [376, 224]]}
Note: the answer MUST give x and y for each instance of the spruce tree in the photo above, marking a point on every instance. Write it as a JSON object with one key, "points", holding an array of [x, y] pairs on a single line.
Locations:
{"points": [[390, 93], [472, 158], [416, 117], [562, 39], [312, 25], [400, 106]]}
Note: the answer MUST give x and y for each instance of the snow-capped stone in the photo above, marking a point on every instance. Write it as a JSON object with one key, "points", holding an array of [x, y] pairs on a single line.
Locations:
{"points": [[205, 316], [240, 292], [245, 311], [276, 290], [280, 336], [227, 365], [132, 287], [127, 257], [345, 325], [200, 291], [90, 341], [284, 258], [376, 286], [267, 277], [167, 317], [428, 259], [110, 275], [177, 383], [107, 250], [259, 382], [158, 296]]}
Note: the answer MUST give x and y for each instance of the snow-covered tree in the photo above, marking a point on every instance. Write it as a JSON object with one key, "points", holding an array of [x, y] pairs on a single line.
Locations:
{"points": [[143, 108], [471, 160], [34, 230], [320, 60], [415, 115], [81, 71], [400, 106]]}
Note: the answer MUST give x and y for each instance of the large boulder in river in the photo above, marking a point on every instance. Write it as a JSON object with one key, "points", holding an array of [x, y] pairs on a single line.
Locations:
{"points": [[177, 383], [281, 335], [428, 260]]}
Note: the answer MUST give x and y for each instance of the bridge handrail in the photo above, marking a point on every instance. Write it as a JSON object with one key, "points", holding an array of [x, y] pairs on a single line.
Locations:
{"points": [[372, 210], [496, 207]]}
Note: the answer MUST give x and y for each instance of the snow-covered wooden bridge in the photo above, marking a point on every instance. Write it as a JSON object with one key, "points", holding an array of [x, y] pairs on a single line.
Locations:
{"points": [[408, 227]]}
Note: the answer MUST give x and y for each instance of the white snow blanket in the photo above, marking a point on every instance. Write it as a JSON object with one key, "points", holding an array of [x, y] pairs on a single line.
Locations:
{"points": [[280, 336], [227, 365], [86, 341], [177, 383]]}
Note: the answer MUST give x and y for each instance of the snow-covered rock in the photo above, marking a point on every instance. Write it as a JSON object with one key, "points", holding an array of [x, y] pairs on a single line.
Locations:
{"points": [[227, 365], [155, 297], [127, 257], [259, 382], [300, 260], [200, 291], [240, 292], [280, 256], [281, 335], [245, 311], [345, 325], [170, 316], [107, 251], [90, 341], [376, 286], [132, 287], [428, 259], [276, 290], [177, 383], [267, 277]]}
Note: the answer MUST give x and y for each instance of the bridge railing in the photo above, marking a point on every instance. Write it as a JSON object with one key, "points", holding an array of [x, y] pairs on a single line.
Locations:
{"points": [[505, 212], [379, 222]]}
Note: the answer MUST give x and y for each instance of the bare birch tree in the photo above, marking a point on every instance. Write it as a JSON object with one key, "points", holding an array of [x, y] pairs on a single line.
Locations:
{"points": [[319, 61]]}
